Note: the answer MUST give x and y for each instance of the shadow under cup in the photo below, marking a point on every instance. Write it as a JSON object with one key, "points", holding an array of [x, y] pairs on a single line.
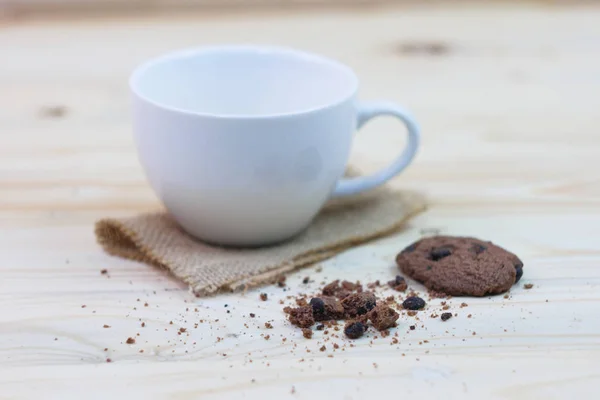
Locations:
{"points": [[243, 144]]}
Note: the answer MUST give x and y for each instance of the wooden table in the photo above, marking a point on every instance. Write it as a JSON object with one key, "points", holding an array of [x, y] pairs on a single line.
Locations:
{"points": [[509, 105]]}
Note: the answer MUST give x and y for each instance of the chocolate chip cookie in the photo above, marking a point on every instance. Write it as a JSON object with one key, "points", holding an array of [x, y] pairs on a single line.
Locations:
{"points": [[460, 266]]}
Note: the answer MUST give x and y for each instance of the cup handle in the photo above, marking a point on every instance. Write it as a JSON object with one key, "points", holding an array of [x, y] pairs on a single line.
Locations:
{"points": [[367, 111]]}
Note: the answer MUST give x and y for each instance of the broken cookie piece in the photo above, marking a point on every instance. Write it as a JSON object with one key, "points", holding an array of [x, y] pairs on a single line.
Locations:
{"points": [[383, 317], [334, 289], [398, 284], [302, 316], [359, 304], [326, 308]]}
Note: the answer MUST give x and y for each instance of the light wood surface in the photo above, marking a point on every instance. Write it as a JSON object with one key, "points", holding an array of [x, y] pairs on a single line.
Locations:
{"points": [[511, 153]]}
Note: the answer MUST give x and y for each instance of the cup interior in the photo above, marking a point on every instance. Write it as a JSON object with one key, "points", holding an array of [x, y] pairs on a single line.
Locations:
{"points": [[243, 81]]}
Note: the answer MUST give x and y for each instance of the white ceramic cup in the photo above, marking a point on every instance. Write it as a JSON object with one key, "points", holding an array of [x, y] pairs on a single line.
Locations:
{"points": [[245, 144]]}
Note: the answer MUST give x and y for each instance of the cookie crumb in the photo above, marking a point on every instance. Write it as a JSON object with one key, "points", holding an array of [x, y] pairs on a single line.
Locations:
{"points": [[323, 348], [108, 360], [104, 271], [307, 333], [106, 326], [130, 340], [268, 325], [264, 297], [528, 285], [58, 111], [398, 284]]}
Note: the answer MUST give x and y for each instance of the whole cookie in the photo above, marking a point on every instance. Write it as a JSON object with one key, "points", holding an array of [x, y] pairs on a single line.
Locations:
{"points": [[460, 266]]}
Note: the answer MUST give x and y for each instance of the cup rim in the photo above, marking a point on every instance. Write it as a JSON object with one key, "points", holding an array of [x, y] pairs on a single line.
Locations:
{"points": [[138, 72]]}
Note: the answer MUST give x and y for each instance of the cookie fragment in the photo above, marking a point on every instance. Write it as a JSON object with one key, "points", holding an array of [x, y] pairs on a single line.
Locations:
{"points": [[326, 308], [383, 317], [399, 284], [334, 289], [302, 317], [359, 304]]}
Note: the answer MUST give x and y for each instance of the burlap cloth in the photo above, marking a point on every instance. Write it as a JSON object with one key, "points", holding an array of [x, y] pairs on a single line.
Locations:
{"points": [[157, 240]]}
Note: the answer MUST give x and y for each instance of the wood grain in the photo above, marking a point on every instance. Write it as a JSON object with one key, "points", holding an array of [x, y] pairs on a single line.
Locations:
{"points": [[510, 153]]}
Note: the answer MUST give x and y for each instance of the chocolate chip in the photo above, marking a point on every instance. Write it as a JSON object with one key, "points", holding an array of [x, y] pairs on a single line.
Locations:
{"points": [[320, 327], [409, 249], [398, 284], [413, 303], [446, 316], [318, 305], [519, 271], [439, 253], [478, 248], [354, 330], [412, 327]]}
